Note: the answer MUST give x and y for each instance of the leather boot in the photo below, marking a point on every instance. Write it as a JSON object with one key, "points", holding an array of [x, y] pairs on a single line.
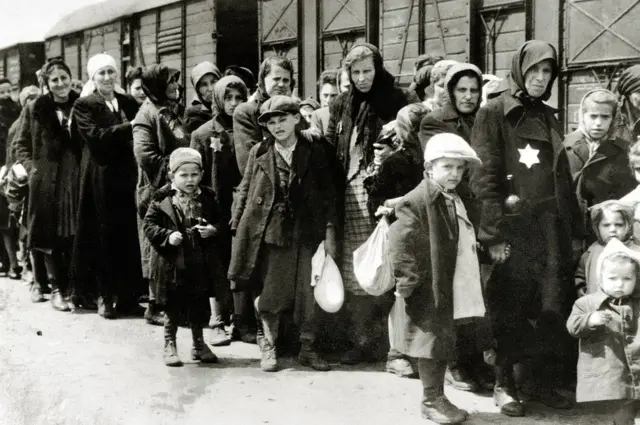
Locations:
{"points": [[270, 324], [435, 405], [458, 377], [105, 308], [57, 300], [308, 356], [36, 293], [505, 395], [201, 350], [170, 355], [240, 330], [152, 316]]}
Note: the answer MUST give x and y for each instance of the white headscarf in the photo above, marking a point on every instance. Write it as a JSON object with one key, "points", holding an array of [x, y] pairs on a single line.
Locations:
{"points": [[95, 64]]}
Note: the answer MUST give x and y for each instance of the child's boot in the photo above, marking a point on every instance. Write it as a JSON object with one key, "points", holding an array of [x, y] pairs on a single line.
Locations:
{"points": [[270, 324], [201, 350], [435, 405], [57, 300], [170, 350], [308, 355], [505, 395]]}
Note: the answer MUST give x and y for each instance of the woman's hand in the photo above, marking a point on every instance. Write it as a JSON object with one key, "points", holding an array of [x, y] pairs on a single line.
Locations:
{"points": [[175, 238], [383, 211], [330, 244], [206, 231], [381, 152], [499, 252]]}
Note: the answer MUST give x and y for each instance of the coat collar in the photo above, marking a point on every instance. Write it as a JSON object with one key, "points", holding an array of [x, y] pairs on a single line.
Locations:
{"points": [[431, 191], [512, 103], [577, 140], [265, 158]]}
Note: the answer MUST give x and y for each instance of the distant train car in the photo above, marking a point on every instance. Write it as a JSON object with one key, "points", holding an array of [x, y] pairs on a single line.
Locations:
{"points": [[20, 62], [179, 34]]}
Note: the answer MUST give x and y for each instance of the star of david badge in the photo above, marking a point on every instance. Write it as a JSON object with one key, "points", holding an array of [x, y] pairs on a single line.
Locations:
{"points": [[529, 156]]}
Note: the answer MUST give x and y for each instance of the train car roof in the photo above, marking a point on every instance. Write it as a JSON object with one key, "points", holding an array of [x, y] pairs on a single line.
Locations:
{"points": [[102, 13]]}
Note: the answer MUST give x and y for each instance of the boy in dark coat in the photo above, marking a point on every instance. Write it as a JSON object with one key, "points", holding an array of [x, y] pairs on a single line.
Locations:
{"points": [[597, 158], [182, 224]]}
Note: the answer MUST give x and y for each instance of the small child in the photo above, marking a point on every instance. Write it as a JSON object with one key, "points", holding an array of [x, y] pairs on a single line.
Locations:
{"points": [[433, 254], [611, 220], [284, 208], [607, 323], [182, 224], [598, 159], [632, 199]]}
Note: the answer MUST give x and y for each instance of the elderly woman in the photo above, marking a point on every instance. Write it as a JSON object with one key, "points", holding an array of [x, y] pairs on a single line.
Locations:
{"points": [[356, 119], [203, 77], [51, 157], [214, 141], [629, 98], [529, 216], [274, 78], [157, 132], [106, 253]]}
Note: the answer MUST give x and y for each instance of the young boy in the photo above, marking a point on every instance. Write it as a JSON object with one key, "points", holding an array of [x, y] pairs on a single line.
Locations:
{"points": [[183, 224], [611, 220], [433, 253], [597, 159], [308, 107], [607, 324], [284, 208]]}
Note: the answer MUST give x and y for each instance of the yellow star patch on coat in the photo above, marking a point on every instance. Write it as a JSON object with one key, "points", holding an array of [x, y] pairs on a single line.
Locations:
{"points": [[529, 156]]}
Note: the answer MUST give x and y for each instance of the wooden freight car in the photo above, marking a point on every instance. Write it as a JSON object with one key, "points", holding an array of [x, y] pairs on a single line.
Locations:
{"points": [[179, 34], [20, 62]]}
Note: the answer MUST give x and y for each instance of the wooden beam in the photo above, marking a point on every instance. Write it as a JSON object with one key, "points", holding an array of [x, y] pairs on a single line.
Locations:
{"points": [[307, 47]]}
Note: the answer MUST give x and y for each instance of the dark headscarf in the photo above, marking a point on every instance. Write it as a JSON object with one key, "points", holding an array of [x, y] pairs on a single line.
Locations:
{"points": [[529, 54], [155, 80], [629, 81], [220, 88], [53, 63]]}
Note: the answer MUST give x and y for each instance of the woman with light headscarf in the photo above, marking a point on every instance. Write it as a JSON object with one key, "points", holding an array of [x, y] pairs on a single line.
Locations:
{"points": [[530, 222], [204, 76], [629, 98], [157, 132], [106, 253], [51, 157]]}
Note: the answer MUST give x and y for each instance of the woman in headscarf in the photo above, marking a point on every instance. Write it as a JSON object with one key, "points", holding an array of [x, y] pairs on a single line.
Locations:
{"points": [[422, 74], [629, 97], [438, 77], [106, 252], [356, 119], [530, 222], [157, 132], [214, 141], [203, 77], [51, 157]]}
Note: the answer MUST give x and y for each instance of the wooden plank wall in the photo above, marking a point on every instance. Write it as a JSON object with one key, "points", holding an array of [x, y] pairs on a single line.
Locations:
{"points": [[71, 54], [13, 66], [200, 46], [147, 38], [52, 47], [112, 40], [171, 17], [510, 34], [394, 15]]}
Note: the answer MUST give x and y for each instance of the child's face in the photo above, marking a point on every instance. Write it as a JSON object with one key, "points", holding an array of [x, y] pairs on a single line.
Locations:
{"points": [[612, 226], [618, 277], [282, 127], [448, 172], [187, 177], [232, 98], [306, 112], [597, 118]]}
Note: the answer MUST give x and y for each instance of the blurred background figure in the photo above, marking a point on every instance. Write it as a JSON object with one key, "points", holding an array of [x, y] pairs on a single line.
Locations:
{"points": [[134, 84]]}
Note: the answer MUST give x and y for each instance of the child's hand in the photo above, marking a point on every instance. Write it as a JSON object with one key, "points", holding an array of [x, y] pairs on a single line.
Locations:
{"points": [[206, 231], [175, 238], [599, 318]]}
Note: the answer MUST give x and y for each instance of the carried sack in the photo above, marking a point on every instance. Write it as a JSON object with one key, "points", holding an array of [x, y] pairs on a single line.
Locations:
{"points": [[371, 264], [328, 289], [145, 193]]}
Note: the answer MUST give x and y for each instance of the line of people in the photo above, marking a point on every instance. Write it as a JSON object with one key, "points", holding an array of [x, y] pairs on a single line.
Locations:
{"points": [[214, 214]]}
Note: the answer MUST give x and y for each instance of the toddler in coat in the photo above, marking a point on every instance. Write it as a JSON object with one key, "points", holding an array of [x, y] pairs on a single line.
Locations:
{"points": [[182, 224], [611, 220], [433, 255], [607, 324]]}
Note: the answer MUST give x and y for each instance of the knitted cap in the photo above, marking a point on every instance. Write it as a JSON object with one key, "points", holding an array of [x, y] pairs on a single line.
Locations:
{"points": [[449, 145], [182, 156]]}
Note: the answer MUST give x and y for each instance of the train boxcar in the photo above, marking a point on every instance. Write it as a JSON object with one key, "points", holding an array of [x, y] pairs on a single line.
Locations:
{"points": [[20, 62], [177, 33]]}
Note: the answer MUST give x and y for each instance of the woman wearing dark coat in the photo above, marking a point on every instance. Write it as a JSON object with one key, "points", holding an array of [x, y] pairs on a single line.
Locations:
{"points": [[628, 88], [51, 157], [356, 119], [215, 142], [106, 252], [157, 132], [203, 78], [532, 239]]}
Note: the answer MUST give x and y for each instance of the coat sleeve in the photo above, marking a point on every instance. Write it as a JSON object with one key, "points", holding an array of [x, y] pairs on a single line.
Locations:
{"points": [[106, 143], [577, 322], [580, 276], [246, 133], [335, 115], [317, 122], [429, 127], [194, 117], [23, 141], [487, 181], [152, 225], [146, 147], [402, 250], [242, 193]]}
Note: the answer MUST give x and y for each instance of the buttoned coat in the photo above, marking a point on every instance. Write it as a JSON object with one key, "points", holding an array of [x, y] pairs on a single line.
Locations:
{"points": [[609, 358], [311, 192]]}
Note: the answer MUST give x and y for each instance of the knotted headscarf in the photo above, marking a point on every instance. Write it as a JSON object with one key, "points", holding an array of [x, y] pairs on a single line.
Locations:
{"points": [[95, 64], [220, 90], [155, 80], [529, 54]]}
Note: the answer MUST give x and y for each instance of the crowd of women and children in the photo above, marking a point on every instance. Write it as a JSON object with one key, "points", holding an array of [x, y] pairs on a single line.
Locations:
{"points": [[505, 238]]}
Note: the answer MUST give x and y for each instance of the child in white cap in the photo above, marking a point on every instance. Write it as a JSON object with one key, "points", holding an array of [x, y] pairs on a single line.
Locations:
{"points": [[182, 224], [433, 253]]}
